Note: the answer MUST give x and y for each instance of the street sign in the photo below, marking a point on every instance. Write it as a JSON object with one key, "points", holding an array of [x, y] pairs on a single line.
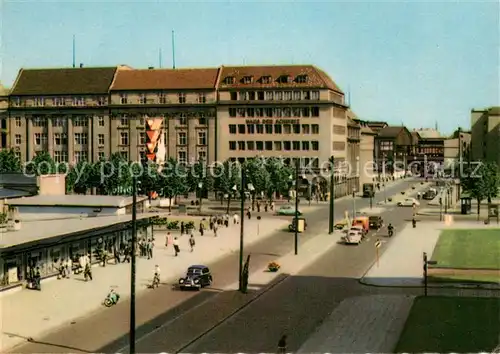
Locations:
{"points": [[378, 244]]}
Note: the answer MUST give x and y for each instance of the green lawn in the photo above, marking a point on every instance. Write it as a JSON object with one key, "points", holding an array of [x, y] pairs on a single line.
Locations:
{"points": [[471, 279], [468, 249], [451, 324]]}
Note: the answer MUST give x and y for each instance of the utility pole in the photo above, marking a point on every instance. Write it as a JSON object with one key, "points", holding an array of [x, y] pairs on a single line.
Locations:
{"points": [[242, 220], [132, 267], [332, 192], [297, 166]]}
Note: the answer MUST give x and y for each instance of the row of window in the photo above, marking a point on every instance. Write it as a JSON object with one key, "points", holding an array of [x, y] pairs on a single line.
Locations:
{"points": [[274, 145], [303, 161], [83, 121], [274, 95], [60, 101], [274, 128], [82, 138], [285, 112], [267, 79], [161, 98]]}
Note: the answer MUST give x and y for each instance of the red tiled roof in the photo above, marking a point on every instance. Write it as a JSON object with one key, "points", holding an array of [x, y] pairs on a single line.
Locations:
{"points": [[165, 79], [316, 78]]}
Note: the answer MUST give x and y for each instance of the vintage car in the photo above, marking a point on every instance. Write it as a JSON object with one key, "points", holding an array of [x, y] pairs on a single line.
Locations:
{"points": [[375, 222], [353, 237], [288, 210], [409, 202], [197, 277]]}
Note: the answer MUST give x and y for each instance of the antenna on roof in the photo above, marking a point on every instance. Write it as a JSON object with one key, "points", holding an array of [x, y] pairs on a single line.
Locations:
{"points": [[173, 49], [436, 125], [159, 58], [74, 51]]}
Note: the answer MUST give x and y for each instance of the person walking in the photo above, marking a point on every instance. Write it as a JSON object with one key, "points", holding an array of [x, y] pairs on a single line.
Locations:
{"points": [[38, 279], [69, 267], [282, 345], [236, 219], [87, 273], [182, 228], [192, 242], [215, 230], [202, 228], [176, 246], [167, 239], [151, 247]]}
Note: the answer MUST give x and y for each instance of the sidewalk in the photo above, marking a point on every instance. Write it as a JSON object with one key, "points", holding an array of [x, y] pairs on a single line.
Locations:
{"points": [[400, 265], [27, 313]]}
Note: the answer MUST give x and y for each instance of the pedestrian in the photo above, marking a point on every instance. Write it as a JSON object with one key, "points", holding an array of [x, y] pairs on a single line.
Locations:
{"points": [[192, 242], [167, 239], [249, 214], [69, 267], [258, 207], [201, 228], [182, 228], [272, 206], [266, 207], [104, 257], [236, 219], [61, 270], [176, 246], [88, 272], [226, 220], [215, 230], [282, 345], [38, 279], [151, 248], [127, 253]]}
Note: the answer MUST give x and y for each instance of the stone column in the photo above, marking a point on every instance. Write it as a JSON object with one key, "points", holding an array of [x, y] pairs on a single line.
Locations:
{"points": [[29, 138], [212, 137], [71, 139], [192, 138], [50, 136]]}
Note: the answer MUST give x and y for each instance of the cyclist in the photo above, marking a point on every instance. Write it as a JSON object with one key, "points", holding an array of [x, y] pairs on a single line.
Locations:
{"points": [[156, 278], [390, 228]]}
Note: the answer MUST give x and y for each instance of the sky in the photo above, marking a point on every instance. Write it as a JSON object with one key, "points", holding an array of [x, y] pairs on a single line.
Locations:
{"points": [[412, 62]]}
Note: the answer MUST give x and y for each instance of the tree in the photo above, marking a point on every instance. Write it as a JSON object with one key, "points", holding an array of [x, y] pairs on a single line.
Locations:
{"points": [[491, 180], [149, 176], [116, 174], [199, 175], [477, 184], [9, 163], [79, 178], [279, 177], [257, 175], [42, 164], [172, 181], [226, 176]]}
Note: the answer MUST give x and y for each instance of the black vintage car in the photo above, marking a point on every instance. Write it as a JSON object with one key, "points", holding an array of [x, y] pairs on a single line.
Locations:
{"points": [[197, 277], [375, 222]]}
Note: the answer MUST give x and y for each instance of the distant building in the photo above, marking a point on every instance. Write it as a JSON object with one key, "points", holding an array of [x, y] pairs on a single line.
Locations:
{"points": [[428, 154], [367, 168], [485, 129], [393, 147], [4, 104], [454, 148]]}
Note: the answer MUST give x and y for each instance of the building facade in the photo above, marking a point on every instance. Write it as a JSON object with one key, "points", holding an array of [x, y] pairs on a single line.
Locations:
{"points": [[428, 153], [4, 105], [485, 131], [367, 167], [393, 145], [294, 112], [61, 111], [184, 100], [353, 153]]}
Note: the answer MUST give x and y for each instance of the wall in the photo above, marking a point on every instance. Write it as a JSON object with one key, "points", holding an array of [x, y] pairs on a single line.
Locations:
{"points": [[58, 212], [52, 184], [366, 167]]}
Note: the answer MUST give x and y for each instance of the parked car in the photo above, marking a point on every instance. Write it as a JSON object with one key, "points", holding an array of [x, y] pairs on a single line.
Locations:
{"points": [[197, 277], [375, 222], [288, 210], [409, 202]]}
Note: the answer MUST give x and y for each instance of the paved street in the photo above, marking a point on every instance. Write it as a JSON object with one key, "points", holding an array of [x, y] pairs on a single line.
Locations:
{"points": [[94, 333]]}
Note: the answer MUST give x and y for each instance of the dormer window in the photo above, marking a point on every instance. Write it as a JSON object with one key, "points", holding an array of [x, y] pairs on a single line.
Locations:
{"points": [[229, 80], [284, 79], [301, 79], [247, 79], [265, 79]]}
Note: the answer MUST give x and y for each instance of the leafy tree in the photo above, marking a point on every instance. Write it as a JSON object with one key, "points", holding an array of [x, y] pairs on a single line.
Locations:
{"points": [[473, 184], [149, 177], [199, 173], [279, 177], [117, 178], [78, 179], [172, 181], [42, 164], [9, 163], [491, 180], [226, 176], [257, 175]]}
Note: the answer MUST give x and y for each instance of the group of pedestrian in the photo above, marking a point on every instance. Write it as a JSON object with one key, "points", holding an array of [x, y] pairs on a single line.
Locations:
{"points": [[146, 247], [175, 243], [65, 268]]}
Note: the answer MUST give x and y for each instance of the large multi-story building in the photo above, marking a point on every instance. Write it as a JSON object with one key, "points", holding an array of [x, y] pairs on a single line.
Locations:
{"points": [[61, 111], [4, 104], [485, 129], [183, 99], [428, 152], [393, 146]]}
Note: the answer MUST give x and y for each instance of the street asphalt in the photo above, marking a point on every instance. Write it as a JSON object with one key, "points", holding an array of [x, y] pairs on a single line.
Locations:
{"points": [[168, 320]]}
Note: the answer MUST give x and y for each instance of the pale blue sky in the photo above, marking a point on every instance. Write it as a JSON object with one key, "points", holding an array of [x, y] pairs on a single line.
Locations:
{"points": [[411, 62]]}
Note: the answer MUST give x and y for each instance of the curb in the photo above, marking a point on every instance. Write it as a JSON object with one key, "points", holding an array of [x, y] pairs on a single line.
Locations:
{"points": [[431, 285]]}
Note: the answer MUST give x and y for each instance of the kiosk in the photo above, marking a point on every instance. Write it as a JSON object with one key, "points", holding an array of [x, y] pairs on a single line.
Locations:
{"points": [[465, 204]]}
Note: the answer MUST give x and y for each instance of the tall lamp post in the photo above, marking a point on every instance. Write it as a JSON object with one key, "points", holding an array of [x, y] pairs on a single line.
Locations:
{"points": [[133, 267], [332, 193], [241, 286], [200, 188], [296, 238], [354, 202]]}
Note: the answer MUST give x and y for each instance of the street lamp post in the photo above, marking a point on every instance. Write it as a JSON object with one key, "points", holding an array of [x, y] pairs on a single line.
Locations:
{"points": [[242, 232], [200, 186], [332, 192], [354, 203], [296, 238], [133, 267]]}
